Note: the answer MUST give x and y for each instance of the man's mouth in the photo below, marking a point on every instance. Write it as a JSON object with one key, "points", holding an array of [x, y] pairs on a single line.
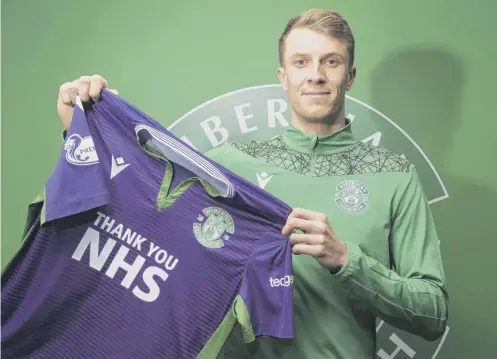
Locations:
{"points": [[316, 94]]}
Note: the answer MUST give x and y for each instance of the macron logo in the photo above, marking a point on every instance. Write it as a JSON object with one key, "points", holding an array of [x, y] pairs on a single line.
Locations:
{"points": [[285, 281], [118, 166], [263, 179]]}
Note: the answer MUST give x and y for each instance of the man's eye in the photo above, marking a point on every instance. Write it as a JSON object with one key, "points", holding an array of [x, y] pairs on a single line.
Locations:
{"points": [[299, 62], [332, 62]]}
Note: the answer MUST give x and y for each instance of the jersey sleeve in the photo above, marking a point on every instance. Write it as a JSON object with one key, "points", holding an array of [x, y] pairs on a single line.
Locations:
{"points": [[77, 183], [265, 307], [411, 295]]}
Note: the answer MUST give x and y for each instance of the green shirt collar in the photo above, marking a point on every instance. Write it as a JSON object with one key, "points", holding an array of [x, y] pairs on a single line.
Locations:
{"points": [[319, 145]]}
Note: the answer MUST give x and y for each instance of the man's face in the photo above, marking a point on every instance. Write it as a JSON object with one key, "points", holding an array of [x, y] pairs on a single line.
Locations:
{"points": [[316, 74]]}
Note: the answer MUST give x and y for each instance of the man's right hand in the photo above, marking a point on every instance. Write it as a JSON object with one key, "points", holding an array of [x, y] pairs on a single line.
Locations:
{"points": [[87, 87]]}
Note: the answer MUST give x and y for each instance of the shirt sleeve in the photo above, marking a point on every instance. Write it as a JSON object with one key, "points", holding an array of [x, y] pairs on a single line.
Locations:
{"points": [[77, 183], [411, 295], [265, 306]]}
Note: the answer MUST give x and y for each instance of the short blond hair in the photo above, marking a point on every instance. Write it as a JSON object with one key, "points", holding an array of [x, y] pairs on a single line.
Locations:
{"points": [[323, 21]]}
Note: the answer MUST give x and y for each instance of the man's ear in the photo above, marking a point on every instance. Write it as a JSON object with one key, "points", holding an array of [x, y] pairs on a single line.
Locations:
{"points": [[351, 78], [281, 73]]}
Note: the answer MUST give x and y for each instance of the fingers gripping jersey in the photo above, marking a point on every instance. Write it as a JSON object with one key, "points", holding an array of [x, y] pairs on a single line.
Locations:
{"points": [[144, 248]]}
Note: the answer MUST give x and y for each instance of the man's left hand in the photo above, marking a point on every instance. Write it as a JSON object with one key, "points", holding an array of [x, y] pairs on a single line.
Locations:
{"points": [[318, 238]]}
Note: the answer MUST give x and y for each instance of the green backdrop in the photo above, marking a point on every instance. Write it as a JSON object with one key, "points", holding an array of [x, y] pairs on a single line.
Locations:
{"points": [[429, 66]]}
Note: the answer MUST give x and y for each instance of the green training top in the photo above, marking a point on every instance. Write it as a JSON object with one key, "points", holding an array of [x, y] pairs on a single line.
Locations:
{"points": [[375, 203]]}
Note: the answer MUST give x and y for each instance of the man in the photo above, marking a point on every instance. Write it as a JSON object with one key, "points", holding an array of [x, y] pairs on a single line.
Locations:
{"points": [[362, 233]]}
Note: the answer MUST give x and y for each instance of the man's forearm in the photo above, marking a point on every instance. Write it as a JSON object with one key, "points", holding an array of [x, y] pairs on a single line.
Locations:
{"points": [[417, 304]]}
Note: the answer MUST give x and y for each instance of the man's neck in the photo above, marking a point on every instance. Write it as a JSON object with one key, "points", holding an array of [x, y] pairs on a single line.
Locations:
{"points": [[323, 127]]}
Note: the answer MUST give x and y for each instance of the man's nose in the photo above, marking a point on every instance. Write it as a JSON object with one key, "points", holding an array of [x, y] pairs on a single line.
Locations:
{"points": [[317, 74]]}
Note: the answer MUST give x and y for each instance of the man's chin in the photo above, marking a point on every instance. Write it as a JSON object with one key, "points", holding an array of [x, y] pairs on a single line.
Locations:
{"points": [[319, 116], [326, 113]]}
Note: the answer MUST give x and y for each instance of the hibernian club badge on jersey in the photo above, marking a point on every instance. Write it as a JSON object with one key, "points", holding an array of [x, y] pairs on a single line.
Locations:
{"points": [[214, 226], [352, 196]]}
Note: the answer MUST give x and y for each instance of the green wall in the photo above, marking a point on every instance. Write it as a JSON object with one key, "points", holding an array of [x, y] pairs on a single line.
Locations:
{"points": [[430, 66]]}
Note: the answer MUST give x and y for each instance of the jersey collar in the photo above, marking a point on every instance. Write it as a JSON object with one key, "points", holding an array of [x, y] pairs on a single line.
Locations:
{"points": [[319, 145]]}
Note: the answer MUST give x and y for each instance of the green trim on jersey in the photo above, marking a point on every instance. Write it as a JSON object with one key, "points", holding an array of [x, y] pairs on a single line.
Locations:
{"points": [[243, 316], [43, 208], [165, 197], [238, 314], [216, 342]]}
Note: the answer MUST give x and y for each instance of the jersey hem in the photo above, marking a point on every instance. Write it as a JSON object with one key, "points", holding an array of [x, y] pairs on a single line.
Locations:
{"points": [[268, 330]]}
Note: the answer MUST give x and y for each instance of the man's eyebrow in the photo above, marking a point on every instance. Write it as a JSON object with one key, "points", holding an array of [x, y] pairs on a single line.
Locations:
{"points": [[299, 54], [332, 54], [329, 54]]}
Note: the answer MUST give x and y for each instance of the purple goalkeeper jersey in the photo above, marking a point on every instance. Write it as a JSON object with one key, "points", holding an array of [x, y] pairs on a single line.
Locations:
{"points": [[144, 248]]}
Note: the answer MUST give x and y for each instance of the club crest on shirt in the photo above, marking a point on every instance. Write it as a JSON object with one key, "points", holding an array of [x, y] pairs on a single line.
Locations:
{"points": [[214, 226], [80, 151], [352, 196]]}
